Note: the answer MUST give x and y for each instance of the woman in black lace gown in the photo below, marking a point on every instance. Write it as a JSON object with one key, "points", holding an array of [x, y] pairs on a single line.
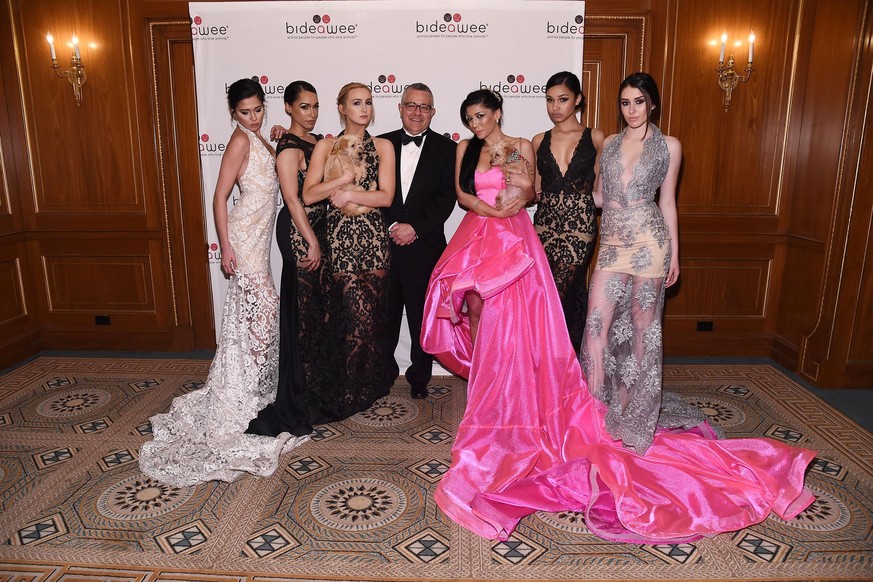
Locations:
{"points": [[304, 369], [565, 216], [358, 254]]}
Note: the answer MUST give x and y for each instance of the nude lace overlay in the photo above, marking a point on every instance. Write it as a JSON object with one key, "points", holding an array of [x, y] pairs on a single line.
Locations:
{"points": [[201, 437], [622, 350]]}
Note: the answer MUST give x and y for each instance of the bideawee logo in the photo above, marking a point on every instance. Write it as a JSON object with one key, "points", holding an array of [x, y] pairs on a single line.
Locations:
{"points": [[574, 29], [386, 86], [209, 147], [271, 90], [201, 30], [515, 87], [212, 148], [321, 26], [213, 253], [451, 26]]}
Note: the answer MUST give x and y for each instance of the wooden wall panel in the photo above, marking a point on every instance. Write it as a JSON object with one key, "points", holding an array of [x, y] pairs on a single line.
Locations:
{"points": [[85, 159], [179, 166], [820, 188], [19, 332], [87, 278], [614, 48], [717, 288], [732, 159], [13, 306], [833, 201]]}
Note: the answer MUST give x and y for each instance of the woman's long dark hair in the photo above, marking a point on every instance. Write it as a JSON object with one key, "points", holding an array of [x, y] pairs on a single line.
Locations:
{"points": [[649, 88], [571, 82], [490, 100]]}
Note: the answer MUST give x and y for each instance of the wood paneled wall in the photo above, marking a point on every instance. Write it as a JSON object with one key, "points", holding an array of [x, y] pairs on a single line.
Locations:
{"points": [[100, 212]]}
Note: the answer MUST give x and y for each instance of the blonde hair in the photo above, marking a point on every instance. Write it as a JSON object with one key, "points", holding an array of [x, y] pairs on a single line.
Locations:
{"points": [[343, 95]]}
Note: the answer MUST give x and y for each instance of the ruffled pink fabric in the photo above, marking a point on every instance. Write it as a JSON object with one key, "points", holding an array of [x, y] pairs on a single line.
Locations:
{"points": [[533, 439]]}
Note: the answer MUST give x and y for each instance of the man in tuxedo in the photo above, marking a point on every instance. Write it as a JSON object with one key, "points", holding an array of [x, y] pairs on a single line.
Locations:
{"points": [[423, 200]]}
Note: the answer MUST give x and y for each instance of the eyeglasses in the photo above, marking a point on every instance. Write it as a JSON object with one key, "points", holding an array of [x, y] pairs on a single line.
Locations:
{"points": [[411, 107]]}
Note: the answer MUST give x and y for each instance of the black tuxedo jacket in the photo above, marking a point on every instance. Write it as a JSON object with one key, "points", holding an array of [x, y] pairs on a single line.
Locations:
{"points": [[429, 202]]}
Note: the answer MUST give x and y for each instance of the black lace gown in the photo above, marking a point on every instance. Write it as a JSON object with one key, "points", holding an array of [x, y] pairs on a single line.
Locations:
{"points": [[359, 262], [306, 372], [566, 224]]}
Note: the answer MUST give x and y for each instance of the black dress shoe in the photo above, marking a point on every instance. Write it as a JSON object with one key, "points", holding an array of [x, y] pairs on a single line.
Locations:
{"points": [[418, 391]]}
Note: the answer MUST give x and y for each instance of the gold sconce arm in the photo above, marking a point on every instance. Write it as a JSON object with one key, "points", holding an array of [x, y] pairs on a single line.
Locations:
{"points": [[728, 79], [75, 75]]}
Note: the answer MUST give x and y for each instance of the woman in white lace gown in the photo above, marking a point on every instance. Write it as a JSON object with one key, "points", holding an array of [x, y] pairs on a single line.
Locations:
{"points": [[201, 437]]}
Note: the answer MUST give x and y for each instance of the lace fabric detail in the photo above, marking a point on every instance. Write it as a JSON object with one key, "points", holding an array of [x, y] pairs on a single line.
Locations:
{"points": [[201, 437], [622, 349], [646, 176], [359, 262], [316, 213], [566, 224]]}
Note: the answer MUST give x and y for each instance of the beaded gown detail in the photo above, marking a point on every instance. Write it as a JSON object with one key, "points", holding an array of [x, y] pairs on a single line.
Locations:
{"points": [[565, 221], [622, 349], [201, 437], [533, 439], [359, 262]]}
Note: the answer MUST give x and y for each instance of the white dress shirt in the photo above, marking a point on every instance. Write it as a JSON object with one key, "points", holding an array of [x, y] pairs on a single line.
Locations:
{"points": [[409, 156]]}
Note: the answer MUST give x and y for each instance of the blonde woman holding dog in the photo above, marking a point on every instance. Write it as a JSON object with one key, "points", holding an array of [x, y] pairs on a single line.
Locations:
{"points": [[358, 252]]}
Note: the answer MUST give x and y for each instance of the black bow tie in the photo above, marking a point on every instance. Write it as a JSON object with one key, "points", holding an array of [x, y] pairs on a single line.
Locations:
{"points": [[416, 139]]}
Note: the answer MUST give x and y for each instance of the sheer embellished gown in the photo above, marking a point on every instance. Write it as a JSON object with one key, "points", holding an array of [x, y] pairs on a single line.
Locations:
{"points": [[306, 345], [622, 349], [566, 224], [533, 439], [359, 261], [201, 437]]}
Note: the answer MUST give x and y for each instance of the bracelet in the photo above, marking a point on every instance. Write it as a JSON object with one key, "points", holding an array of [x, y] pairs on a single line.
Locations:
{"points": [[478, 200]]}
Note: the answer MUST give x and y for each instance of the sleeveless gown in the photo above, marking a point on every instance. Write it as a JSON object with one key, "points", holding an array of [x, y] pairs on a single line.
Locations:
{"points": [[622, 349], [201, 437], [306, 345], [359, 262], [566, 224], [533, 439]]}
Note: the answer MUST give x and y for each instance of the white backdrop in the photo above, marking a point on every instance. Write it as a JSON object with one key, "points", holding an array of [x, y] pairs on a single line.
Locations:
{"points": [[454, 46]]}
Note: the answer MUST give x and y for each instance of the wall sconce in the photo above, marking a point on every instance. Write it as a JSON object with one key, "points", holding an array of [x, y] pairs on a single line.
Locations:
{"points": [[728, 78], [76, 73]]}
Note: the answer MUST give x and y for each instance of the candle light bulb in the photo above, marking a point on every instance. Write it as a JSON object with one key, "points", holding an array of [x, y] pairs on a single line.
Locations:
{"points": [[76, 46], [751, 46], [51, 41], [723, 41]]}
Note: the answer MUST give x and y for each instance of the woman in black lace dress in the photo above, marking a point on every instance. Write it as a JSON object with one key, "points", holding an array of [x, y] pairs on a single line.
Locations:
{"points": [[565, 216], [304, 369], [358, 253]]}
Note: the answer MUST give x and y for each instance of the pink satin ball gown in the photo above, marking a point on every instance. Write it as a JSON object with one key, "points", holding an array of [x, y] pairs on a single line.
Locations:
{"points": [[533, 439]]}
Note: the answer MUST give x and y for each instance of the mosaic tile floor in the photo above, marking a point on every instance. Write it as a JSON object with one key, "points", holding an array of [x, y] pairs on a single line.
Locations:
{"points": [[356, 501]]}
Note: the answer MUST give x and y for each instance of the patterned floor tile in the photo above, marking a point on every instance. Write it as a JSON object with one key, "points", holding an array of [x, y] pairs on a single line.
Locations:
{"points": [[356, 502]]}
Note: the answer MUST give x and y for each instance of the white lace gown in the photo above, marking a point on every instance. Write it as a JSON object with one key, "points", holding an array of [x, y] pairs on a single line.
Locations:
{"points": [[202, 437]]}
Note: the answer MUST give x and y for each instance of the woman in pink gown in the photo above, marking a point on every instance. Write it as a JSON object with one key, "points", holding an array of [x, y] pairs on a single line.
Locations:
{"points": [[532, 437]]}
